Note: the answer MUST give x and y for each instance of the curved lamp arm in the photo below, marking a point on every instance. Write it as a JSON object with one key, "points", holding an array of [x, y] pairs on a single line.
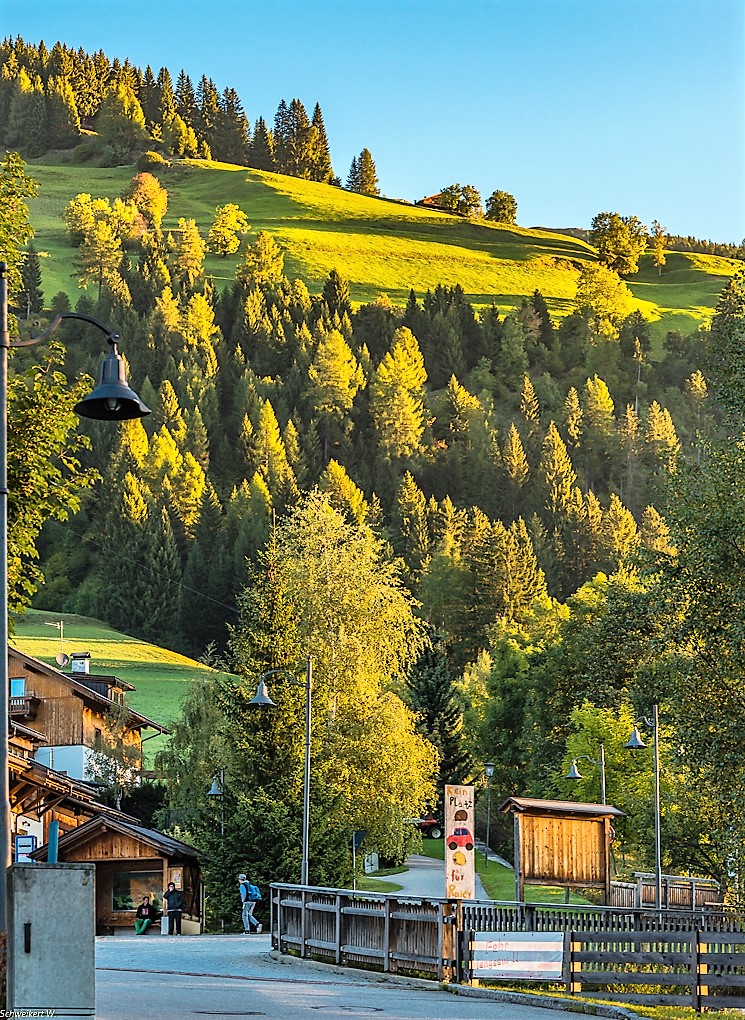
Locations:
{"points": [[111, 337]]}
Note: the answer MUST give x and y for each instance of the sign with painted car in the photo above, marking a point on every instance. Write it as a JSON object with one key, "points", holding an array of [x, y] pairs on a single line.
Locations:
{"points": [[524, 955], [460, 869]]}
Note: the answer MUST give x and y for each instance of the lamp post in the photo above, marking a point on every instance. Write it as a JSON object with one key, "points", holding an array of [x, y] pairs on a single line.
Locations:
{"points": [[488, 772], [262, 700], [574, 772], [634, 743], [217, 790], [111, 400]]}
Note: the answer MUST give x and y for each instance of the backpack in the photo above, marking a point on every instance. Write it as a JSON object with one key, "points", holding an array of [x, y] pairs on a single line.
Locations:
{"points": [[253, 893]]}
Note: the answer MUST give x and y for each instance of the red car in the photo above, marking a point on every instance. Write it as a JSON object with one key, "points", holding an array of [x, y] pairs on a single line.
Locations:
{"points": [[460, 837]]}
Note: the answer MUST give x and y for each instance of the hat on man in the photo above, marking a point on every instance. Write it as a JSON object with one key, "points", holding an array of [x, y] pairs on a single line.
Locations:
{"points": [[242, 878]]}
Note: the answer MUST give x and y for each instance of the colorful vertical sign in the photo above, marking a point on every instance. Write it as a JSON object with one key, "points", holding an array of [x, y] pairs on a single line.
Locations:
{"points": [[460, 866]]}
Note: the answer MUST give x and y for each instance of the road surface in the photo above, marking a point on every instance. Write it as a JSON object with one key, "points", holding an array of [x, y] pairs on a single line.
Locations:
{"points": [[235, 976]]}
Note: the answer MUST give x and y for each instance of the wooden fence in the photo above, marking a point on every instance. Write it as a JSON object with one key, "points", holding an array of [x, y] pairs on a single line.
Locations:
{"points": [[648, 956], [693, 968], [397, 935], [678, 892]]}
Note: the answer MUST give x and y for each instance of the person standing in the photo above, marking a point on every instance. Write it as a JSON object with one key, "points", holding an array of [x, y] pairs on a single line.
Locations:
{"points": [[250, 895], [174, 905], [144, 916]]}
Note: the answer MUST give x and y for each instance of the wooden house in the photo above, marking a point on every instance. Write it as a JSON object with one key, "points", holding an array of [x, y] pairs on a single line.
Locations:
{"points": [[77, 712], [559, 842], [40, 795], [132, 862]]}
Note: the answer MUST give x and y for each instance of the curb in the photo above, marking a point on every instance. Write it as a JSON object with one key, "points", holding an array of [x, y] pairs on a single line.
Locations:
{"points": [[519, 998]]}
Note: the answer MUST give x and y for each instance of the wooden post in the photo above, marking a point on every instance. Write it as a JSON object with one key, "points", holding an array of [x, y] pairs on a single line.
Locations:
{"points": [[387, 935], [303, 932], [519, 888], [568, 961], [337, 928]]}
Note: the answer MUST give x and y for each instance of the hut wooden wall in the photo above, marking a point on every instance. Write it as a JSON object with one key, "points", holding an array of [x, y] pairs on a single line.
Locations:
{"points": [[563, 851]]}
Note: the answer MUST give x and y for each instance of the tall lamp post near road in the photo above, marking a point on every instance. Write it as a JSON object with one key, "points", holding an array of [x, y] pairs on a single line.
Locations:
{"points": [[634, 743], [262, 700], [111, 400], [488, 772], [574, 772]]}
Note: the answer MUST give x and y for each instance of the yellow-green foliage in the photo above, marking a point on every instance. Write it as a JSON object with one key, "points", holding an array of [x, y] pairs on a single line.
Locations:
{"points": [[378, 245]]}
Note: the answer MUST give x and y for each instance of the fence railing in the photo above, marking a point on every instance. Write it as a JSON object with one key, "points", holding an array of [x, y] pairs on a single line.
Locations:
{"points": [[404, 935], [693, 968], [648, 956], [678, 892]]}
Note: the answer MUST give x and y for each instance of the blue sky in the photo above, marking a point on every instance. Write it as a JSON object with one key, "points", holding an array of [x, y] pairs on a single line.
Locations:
{"points": [[573, 106]]}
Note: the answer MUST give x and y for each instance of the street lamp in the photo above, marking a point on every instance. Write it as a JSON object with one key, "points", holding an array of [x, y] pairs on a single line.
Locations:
{"points": [[217, 790], [574, 772], [111, 400], [634, 743], [488, 772], [262, 700]]}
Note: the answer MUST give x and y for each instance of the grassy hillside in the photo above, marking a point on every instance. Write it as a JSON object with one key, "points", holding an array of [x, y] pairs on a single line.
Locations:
{"points": [[376, 244], [160, 676]]}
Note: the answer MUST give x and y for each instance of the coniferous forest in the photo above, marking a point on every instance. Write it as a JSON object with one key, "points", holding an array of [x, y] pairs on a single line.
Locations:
{"points": [[542, 512]]}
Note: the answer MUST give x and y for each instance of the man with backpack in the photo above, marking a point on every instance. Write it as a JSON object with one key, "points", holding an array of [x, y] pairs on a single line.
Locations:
{"points": [[250, 895]]}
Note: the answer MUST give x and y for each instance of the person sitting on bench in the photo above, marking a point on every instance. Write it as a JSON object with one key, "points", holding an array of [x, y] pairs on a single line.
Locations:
{"points": [[144, 916]]}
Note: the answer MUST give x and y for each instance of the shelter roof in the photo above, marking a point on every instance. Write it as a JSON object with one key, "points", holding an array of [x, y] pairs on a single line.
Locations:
{"points": [[165, 845], [534, 806]]}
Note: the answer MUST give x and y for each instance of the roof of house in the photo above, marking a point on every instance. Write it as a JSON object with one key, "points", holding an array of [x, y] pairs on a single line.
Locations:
{"points": [[85, 692], [533, 806], [163, 844], [33, 784]]}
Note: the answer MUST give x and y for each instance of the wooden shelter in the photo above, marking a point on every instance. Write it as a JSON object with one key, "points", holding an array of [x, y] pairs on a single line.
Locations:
{"points": [[560, 842], [132, 862]]}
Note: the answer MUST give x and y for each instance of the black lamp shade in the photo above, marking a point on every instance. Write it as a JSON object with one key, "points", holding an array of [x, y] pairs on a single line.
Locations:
{"points": [[112, 399], [261, 699], [635, 742]]}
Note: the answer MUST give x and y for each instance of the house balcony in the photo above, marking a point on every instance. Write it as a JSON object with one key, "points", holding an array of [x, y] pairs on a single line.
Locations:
{"points": [[24, 706]]}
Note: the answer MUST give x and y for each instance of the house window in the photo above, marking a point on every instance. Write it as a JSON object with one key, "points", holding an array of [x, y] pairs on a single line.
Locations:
{"points": [[128, 888], [17, 686]]}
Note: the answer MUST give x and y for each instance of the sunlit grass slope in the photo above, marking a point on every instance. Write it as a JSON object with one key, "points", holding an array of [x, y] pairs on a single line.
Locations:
{"points": [[160, 676], [380, 246]]}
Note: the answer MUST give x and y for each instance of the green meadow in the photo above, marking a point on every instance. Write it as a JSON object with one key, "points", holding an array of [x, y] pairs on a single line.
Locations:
{"points": [[160, 677], [378, 245]]}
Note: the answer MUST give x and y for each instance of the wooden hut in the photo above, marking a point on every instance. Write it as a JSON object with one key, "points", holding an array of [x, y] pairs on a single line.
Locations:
{"points": [[132, 862], [560, 842]]}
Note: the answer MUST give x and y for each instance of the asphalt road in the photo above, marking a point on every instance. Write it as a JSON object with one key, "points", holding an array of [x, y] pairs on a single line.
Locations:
{"points": [[224, 976]]}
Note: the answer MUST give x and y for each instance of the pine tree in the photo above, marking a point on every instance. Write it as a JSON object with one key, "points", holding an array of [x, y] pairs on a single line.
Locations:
{"points": [[366, 174], [556, 473], [411, 539], [432, 694], [353, 177], [31, 293], [323, 171], [261, 149], [516, 468]]}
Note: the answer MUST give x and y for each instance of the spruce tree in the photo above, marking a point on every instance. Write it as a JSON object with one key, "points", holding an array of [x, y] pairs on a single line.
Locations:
{"points": [[432, 694], [323, 171], [261, 148], [31, 293]]}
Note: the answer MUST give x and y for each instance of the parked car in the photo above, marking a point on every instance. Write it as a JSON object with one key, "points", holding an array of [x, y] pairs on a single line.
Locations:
{"points": [[460, 837], [430, 826]]}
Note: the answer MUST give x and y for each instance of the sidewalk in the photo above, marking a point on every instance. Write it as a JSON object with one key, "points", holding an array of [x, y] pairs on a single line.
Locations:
{"points": [[425, 877]]}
